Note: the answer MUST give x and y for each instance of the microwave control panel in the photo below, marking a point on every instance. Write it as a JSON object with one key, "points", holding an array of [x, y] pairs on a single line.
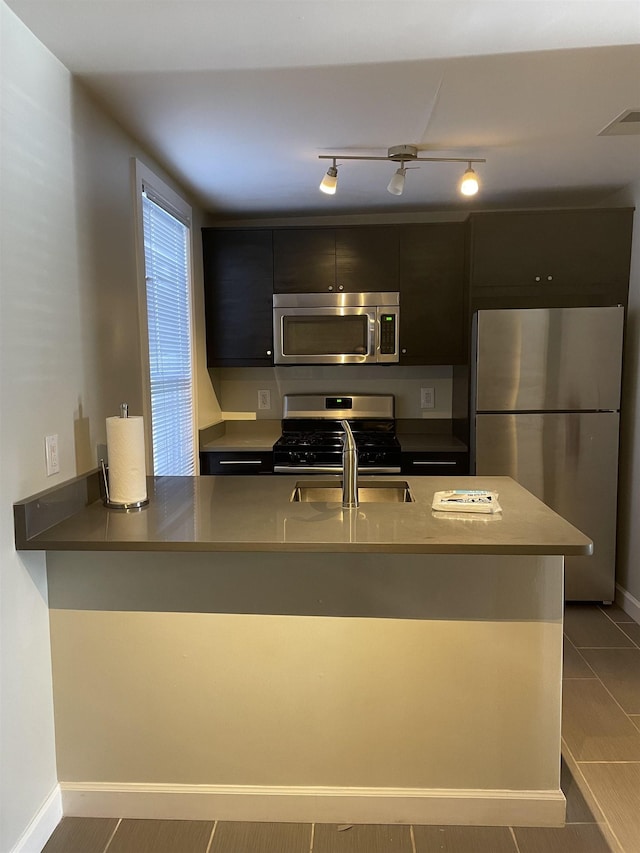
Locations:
{"points": [[387, 334]]}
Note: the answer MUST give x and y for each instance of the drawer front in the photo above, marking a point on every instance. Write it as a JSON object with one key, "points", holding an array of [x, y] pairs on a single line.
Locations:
{"points": [[434, 464], [237, 463]]}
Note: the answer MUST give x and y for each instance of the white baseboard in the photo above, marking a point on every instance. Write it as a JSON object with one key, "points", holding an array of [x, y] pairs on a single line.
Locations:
{"points": [[44, 822], [315, 804], [628, 602]]}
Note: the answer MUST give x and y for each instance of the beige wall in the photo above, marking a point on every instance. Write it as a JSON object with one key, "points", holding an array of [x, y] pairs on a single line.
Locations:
{"points": [[237, 387], [179, 692], [69, 354]]}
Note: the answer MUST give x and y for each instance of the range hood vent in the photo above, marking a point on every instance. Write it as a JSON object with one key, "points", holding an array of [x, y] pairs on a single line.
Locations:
{"points": [[626, 124]]}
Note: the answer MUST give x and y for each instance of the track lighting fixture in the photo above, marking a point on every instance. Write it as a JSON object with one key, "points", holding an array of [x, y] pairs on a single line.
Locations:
{"points": [[468, 186], [469, 183], [396, 184], [329, 183]]}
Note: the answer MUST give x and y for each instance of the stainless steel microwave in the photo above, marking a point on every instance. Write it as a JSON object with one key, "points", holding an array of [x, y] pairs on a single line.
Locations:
{"points": [[336, 328]]}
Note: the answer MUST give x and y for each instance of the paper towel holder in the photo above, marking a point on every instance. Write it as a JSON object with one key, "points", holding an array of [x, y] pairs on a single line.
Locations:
{"points": [[132, 506], [123, 507]]}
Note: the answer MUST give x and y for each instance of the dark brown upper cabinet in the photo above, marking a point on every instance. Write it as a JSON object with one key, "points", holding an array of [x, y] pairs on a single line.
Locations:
{"points": [[238, 292], [304, 260], [550, 258], [367, 258], [353, 259], [433, 317]]}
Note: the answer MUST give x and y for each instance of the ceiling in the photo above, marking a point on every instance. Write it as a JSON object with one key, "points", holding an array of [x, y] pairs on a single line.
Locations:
{"points": [[237, 99]]}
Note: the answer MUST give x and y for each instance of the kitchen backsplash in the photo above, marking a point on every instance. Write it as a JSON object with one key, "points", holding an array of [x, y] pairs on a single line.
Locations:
{"points": [[237, 387]]}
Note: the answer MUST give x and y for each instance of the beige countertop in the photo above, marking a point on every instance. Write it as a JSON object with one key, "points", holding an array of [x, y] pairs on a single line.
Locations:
{"points": [[261, 435], [244, 435], [255, 514]]}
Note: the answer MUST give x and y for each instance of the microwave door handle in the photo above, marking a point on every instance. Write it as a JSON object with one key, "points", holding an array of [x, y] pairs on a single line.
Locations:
{"points": [[374, 336]]}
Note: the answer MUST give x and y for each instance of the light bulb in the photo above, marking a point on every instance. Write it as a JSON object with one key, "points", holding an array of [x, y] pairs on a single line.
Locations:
{"points": [[469, 183], [329, 183], [396, 184]]}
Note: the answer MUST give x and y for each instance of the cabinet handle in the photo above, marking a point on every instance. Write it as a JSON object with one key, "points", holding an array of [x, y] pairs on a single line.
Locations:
{"points": [[330, 287], [240, 462], [341, 287], [549, 278], [268, 352], [538, 278], [431, 462], [403, 351]]}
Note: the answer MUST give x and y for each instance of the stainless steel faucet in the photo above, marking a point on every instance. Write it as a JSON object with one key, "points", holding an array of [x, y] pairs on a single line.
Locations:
{"points": [[349, 467]]}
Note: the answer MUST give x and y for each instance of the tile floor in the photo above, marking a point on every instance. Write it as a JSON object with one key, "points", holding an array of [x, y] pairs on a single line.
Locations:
{"points": [[600, 779], [601, 717]]}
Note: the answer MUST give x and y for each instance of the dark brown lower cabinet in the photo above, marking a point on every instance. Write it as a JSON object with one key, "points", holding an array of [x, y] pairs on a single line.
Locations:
{"points": [[240, 462], [434, 463]]}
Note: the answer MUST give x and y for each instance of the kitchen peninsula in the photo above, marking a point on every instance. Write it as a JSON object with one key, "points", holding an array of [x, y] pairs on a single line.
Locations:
{"points": [[227, 652]]}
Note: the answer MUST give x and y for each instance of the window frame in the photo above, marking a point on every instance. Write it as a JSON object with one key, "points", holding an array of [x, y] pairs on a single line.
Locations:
{"points": [[162, 194]]}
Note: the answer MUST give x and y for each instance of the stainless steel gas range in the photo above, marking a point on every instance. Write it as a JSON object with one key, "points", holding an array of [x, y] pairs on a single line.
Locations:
{"points": [[312, 435]]}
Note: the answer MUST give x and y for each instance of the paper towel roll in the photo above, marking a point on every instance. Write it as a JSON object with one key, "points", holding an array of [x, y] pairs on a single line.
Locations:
{"points": [[127, 463]]}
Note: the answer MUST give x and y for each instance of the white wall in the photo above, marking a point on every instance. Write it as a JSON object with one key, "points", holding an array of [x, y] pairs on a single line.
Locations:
{"points": [[69, 354]]}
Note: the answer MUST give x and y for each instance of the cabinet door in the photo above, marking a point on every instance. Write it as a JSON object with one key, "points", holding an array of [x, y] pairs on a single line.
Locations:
{"points": [[238, 289], [359, 258], [432, 294], [304, 260], [580, 257], [367, 258]]}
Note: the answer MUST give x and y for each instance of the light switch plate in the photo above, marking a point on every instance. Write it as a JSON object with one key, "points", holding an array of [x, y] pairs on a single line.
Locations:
{"points": [[51, 454], [264, 399], [427, 398]]}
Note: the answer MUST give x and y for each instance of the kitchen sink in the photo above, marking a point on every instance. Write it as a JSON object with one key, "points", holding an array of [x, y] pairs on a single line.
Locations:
{"points": [[369, 491]]}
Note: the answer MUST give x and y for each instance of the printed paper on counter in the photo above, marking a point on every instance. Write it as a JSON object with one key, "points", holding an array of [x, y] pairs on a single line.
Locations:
{"points": [[466, 500]]}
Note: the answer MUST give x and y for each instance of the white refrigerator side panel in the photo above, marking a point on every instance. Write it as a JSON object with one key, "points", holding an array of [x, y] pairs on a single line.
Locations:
{"points": [[570, 462]]}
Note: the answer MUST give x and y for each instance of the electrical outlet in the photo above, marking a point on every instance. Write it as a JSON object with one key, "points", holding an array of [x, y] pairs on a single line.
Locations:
{"points": [[264, 399], [51, 454], [427, 398]]}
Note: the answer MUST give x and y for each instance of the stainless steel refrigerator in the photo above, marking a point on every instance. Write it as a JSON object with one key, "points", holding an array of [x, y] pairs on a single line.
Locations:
{"points": [[545, 410]]}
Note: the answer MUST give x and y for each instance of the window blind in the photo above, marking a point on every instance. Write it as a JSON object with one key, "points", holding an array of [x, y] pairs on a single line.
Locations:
{"points": [[167, 277]]}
